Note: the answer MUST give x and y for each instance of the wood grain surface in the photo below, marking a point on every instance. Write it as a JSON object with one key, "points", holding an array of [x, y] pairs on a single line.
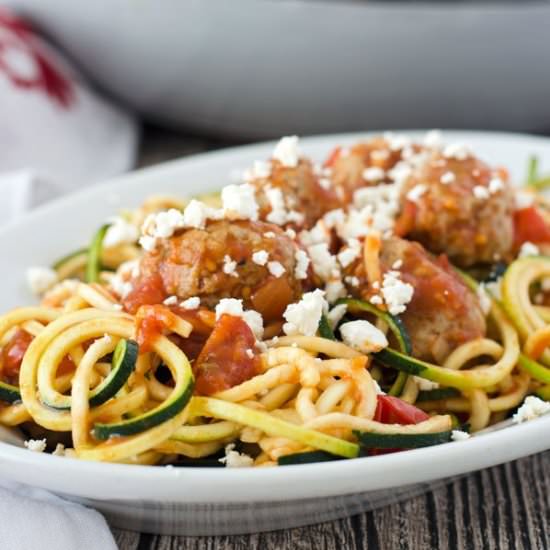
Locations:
{"points": [[506, 507]]}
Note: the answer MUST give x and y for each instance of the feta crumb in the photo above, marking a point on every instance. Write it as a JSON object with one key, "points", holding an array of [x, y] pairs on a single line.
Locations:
{"points": [[276, 269], [229, 266], [171, 301], [396, 293], [416, 192], [397, 264], [303, 317], [379, 155], [41, 279], [269, 235], [336, 314], [495, 185], [260, 257], [524, 199], [351, 280], [36, 445], [287, 151], [458, 151], [363, 336], [447, 177], [350, 253], [459, 435], [433, 139], [239, 202], [234, 307], [484, 299], [335, 289], [290, 233], [120, 286], [324, 263], [278, 214], [250, 353], [120, 232], [528, 249], [191, 303], [302, 264], [234, 459], [425, 385], [59, 450], [373, 173], [260, 170], [325, 183], [532, 408], [376, 300], [481, 192]]}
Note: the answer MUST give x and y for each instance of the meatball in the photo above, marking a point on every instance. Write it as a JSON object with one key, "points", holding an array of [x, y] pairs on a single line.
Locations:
{"points": [[366, 164], [460, 207], [253, 261], [443, 312], [294, 196]]}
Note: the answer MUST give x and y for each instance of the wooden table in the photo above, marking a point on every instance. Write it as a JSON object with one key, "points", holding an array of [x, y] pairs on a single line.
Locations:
{"points": [[507, 507]]}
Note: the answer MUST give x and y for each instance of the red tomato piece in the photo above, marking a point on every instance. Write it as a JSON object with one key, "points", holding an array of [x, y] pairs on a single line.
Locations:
{"points": [[148, 291], [392, 410], [529, 226], [13, 353], [333, 157], [226, 359]]}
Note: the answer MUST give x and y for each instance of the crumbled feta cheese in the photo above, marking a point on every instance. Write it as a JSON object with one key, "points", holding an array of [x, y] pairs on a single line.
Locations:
{"points": [[59, 450], [287, 151], [524, 199], [397, 264], [335, 289], [447, 177], [234, 459], [325, 183], [120, 232], [171, 301], [260, 170], [528, 249], [532, 408], [484, 299], [481, 192], [278, 214], [120, 286], [41, 279], [400, 173], [351, 280], [162, 225], [36, 445], [302, 264], [324, 263], [239, 202], [229, 266], [416, 192], [433, 139], [250, 353], [234, 307], [269, 235], [495, 185], [425, 385], [303, 317], [397, 141], [396, 293], [373, 173], [459, 435], [260, 257], [336, 314], [350, 253], [458, 151], [290, 233], [191, 303], [379, 155], [276, 269], [333, 218], [363, 336]]}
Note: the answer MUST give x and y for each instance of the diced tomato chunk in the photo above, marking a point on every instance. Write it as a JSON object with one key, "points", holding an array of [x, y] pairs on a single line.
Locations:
{"points": [[13, 353], [333, 157], [228, 358], [392, 410], [148, 291], [529, 226]]}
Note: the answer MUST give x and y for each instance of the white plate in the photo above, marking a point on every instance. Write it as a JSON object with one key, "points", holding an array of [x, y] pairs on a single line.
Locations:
{"points": [[208, 501]]}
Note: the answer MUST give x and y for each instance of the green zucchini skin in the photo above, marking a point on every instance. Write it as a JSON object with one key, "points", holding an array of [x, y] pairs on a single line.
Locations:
{"points": [[399, 361], [148, 420], [325, 330], [307, 458], [62, 261], [9, 394], [93, 266], [123, 365], [401, 441], [437, 394]]}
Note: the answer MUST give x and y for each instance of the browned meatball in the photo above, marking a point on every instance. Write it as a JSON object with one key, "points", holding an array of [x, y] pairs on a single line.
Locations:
{"points": [[366, 164], [294, 196], [460, 207], [217, 262], [443, 312]]}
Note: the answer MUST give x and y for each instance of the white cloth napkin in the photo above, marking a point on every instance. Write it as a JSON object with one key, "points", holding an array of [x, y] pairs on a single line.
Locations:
{"points": [[56, 135]]}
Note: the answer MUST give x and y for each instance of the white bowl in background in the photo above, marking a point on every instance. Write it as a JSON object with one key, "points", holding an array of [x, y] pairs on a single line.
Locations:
{"points": [[211, 501], [264, 68]]}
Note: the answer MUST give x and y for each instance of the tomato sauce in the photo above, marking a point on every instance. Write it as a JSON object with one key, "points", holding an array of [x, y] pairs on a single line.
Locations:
{"points": [[228, 358], [147, 291], [151, 321]]}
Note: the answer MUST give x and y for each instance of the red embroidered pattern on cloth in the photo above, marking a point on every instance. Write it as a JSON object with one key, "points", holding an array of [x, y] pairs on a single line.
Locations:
{"points": [[27, 65]]}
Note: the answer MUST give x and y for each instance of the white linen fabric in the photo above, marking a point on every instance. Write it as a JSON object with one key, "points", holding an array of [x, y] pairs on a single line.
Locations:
{"points": [[56, 135]]}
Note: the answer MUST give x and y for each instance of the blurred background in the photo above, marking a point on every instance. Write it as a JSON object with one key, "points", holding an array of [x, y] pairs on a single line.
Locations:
{"points": [[199, 74]]}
